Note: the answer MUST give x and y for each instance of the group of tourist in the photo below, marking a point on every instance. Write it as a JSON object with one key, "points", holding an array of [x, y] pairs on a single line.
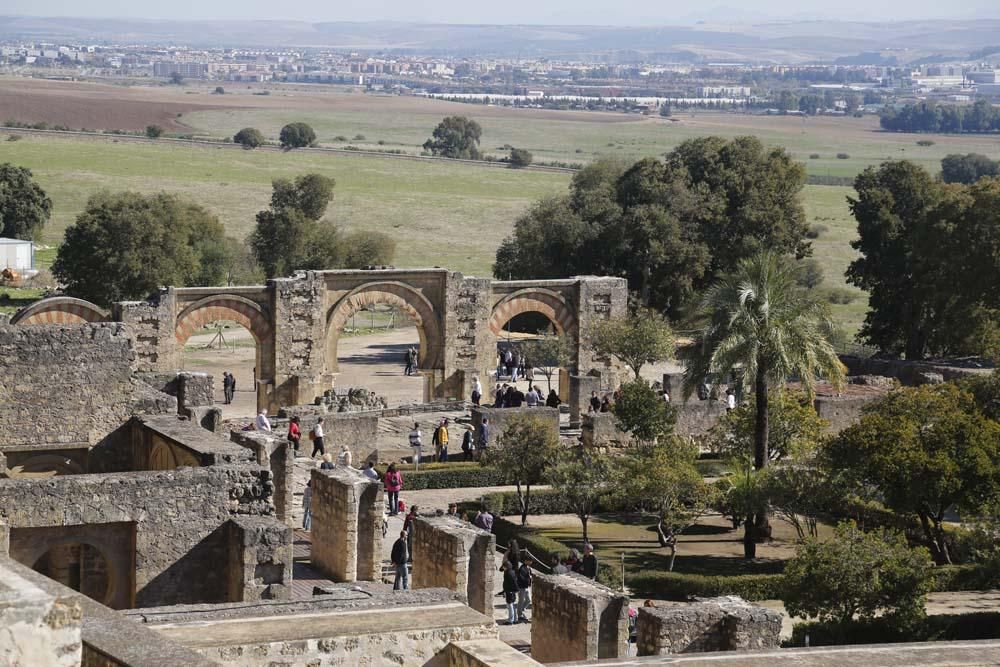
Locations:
{"points": [[513, 364], [585, 565], [509, 396], [517, 576]]}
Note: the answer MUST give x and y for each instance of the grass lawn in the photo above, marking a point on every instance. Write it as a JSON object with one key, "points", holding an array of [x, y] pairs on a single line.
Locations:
{"points": [[14, 298], [710, 547]]}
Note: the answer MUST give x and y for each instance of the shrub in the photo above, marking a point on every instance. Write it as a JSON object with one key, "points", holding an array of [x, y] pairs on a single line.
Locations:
{"points": [[814, 156], [925, 142], [340, 137], [840, 296], [843, 156], [679, 586], [249, 137], [520, 157], [815, 231], [14, 137], [359, 137], [154, 131], [449, 476], [297, 135], [219, 90]]}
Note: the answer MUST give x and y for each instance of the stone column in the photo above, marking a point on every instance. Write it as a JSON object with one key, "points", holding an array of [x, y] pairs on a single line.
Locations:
{"points": [[453, 554], [347, 525], [580, 388], [575, 618]]}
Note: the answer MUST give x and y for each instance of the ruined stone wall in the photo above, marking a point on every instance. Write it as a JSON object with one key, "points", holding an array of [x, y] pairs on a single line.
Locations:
{"points": [[575, 618], [453, 554], [600, 299], [910, 373], [275, 453], [66, 384], [179, 517], [300, 340], [165, 442], [359, 431], [346, 525], [37, 627], [600, 429], [696, 417], [260, 559], [190, 389], [715, 624], [152, 325], [472, 348], [500, 417]]}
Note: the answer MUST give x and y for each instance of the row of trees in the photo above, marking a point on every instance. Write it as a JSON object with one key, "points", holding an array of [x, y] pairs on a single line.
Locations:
{"points": [[671, 227], [932, 117]]}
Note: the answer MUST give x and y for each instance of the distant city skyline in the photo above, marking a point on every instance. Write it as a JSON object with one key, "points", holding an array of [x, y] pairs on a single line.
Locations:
{"points": [[513, 12]]}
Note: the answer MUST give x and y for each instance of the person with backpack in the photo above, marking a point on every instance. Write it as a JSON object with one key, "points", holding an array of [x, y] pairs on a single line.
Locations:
{"points": [[524, 576], [393, 485], [467, 444]]}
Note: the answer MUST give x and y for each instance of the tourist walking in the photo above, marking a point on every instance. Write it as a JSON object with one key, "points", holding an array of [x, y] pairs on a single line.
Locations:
{"points": [[524, 577], [399, 557], [262, 422], [307, 514], [441, 441], [317, 437], [477, 391], [416, 442], [553, 400], [393, 485], [509, 591], [294, 433], [408, 527], [468, 444]]}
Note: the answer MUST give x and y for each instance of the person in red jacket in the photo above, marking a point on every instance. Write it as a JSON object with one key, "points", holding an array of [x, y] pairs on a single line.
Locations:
{"points": [[393, 485], [294, 433]]}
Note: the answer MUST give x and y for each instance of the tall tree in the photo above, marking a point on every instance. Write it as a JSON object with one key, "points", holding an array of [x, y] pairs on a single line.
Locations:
{"points": [[456, 137], [297, 135], [761, 328], [249, 138], [968, 168], [927, 450], [124, 246], [525, 448], [584, 478], [642, 412], [290, 235], [24, 206]]}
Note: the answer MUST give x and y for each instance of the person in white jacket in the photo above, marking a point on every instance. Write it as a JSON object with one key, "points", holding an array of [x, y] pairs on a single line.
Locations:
{"points": [[262, 422]]}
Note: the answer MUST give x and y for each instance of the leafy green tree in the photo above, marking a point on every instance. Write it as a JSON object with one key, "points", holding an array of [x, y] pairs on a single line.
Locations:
{"points": [[154, 131], [524, 450], [641, 412], [744, 499], [794, 429], [366, 248], [548, 354], [801, 493], [24, 206], [642, 338], [858, 574], [968, 168], [760, 328], [662, 480], [584, 478], [926, 449], [520, 157], [290, 235], [249, 138], [919, 243], [240, 266], [985, 390], [296, 135], [124, 246], [456, 137]]}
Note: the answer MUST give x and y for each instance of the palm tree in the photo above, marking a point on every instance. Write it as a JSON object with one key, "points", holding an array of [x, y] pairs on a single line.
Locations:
{"points": [[761, 328]]}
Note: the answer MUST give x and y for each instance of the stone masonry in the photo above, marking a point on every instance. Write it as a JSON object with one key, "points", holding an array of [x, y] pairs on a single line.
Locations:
{"points": [[453, 554], [575, 618], [713, 624], [347, 525], [500, 417]]}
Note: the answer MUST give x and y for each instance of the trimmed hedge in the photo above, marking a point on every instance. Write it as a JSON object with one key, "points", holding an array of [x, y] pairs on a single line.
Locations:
{"points": [[943, 627], [679, 586], [967, 577], [449, 476]]}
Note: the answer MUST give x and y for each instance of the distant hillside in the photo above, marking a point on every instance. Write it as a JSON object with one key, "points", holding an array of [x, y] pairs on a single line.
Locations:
{"points": [[791, 42]]}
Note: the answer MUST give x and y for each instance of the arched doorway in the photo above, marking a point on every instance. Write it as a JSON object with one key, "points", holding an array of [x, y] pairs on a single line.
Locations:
{"points": [[81, 566], [228, 333], [377, 360], [60, 310]]}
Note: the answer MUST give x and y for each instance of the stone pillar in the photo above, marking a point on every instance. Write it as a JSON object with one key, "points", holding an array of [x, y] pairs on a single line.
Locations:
{"points": [[299, 342], [600, 429], [260, 559], [152, 324], [346, 525], [715, 624], [500, 417], [600, 299], [580, 388], [575, 618], [453, 554], [470, 348]]}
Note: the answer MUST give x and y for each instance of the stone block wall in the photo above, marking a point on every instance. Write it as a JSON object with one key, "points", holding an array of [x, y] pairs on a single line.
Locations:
{"points": [[715, 624], [152, 326], [500, 417], [696, 417], [909, 373], [453, 554], [275, 453], [299, 340], [260, 559], [600, 429], [472, 351], [486, 653], [64, 384], [575, 618], [359, 431], [346, 525], [177, 520], [580, 389], [165, 442], [37, 627], [190, 389]]}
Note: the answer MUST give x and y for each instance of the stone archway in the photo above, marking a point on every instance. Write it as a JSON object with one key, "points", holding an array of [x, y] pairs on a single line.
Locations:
{"points": [[241, 310], [535, 300], [60, 310], [407, 299]]}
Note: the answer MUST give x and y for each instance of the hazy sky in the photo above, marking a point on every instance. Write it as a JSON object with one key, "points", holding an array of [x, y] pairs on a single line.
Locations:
{"points": [[602, 12]]}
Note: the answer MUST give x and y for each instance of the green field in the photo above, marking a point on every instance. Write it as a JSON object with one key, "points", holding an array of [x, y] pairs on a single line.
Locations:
{"points": [[441, 214]]}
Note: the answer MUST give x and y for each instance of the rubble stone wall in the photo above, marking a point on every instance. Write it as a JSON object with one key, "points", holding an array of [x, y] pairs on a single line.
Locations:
{"points": [[715, 624], [500, 417], [575, 618], [453, 554], [346, 525]]}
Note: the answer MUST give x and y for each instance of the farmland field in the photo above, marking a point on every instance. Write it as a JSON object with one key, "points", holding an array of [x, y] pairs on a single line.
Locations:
{"points": [[443, 214]]}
